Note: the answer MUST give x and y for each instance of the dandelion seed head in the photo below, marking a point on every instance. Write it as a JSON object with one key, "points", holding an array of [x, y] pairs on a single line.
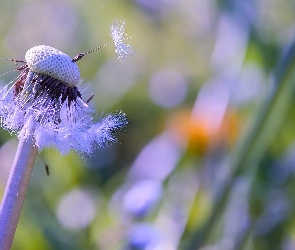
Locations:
{"points": [[119, 36], [44, 102], [52, 62]]}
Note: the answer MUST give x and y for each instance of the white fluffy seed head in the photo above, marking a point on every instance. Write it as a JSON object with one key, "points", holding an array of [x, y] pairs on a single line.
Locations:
{"points": [[50, 61]]}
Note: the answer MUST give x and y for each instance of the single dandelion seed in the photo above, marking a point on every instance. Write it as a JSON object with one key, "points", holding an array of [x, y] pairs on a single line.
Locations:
{"points": [[119, 36]]}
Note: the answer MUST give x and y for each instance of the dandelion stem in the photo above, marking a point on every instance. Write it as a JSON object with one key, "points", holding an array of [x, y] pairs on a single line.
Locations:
{"points": [[15, 191]]}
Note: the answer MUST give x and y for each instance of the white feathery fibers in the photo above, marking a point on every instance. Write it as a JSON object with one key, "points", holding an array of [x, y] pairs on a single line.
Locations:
{"points": [[77, 129], [119, 37]]}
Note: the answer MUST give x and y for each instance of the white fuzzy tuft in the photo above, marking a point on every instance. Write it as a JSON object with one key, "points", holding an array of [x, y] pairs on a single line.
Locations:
{"points": [[119, 36], [74, 130]]}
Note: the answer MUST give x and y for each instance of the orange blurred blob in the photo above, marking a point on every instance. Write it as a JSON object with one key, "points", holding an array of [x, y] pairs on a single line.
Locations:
{"points": [[197, 134]]}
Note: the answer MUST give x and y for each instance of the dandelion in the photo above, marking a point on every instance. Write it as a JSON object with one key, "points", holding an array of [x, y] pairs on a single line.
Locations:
{"points": [[44, 101], [44, 108]]}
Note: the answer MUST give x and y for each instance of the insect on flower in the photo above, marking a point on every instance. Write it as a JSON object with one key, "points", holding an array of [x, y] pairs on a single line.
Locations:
{"points": [[45, 103]]}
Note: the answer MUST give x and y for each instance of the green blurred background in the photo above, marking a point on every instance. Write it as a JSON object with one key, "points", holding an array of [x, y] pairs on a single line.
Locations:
{"points": [[201, 79]]}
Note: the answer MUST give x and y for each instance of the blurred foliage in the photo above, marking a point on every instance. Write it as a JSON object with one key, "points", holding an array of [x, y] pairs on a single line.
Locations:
{"points": [[195, 89]]}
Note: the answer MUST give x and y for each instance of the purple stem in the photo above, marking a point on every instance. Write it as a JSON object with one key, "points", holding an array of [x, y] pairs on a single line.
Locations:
{"points": [[15, 191]]}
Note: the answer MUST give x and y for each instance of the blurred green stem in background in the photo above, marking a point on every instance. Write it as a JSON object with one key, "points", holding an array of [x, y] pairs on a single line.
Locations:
{"points": [[15, 190], [252, 146]]}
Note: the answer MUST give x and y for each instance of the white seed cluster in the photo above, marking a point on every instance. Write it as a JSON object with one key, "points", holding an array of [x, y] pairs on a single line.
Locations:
{"points": [[50, 61]]}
